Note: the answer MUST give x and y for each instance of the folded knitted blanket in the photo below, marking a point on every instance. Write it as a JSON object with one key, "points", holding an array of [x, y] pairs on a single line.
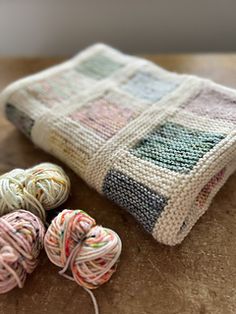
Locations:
{"points": [[159, 144]]}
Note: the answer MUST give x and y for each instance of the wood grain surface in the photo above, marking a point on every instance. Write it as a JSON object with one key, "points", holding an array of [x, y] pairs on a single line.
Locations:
{"points": [[198, 276]]}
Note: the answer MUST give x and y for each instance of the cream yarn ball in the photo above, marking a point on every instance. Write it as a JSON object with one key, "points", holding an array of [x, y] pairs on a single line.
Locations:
{"points": [[36, 189]]}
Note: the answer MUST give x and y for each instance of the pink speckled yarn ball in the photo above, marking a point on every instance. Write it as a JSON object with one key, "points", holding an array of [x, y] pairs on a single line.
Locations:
{"points": [[21, 239], [74, 241]]}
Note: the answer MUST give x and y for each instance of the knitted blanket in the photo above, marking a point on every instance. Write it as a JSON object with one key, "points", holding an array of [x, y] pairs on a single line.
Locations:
{"points": [[159, 144]]}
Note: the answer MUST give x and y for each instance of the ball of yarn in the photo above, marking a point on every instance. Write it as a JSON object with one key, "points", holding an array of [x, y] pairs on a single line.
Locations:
{"points": [[21, 239], [73, 240], [37, 189]]}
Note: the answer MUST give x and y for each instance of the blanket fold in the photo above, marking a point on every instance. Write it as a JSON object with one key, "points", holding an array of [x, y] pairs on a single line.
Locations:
{"points": [[158, 144]]}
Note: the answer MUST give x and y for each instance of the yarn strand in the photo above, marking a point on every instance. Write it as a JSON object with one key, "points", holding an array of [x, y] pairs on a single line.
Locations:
{"points": [[95, 304], [63, 273]]}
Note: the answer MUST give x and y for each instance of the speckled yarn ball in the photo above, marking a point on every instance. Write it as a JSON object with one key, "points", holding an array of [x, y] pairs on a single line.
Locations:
{"points": [[74, 241], [21, 239], [36, 189]]}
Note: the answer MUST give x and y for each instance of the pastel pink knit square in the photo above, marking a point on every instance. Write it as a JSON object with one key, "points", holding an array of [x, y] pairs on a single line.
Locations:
{"points": [[103, 116], [207, 189], [214, 104], [59, 88]]}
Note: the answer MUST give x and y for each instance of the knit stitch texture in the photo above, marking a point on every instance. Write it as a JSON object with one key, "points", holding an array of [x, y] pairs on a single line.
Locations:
{"points": [[159, 144]]}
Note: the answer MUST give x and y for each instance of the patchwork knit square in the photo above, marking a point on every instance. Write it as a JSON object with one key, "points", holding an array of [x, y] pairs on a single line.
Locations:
{"points": [[208, 188], [59, 89], [139, 200], [220, 104], [98, 66], [148, 87], [175, 147], [104, 116], [19, 118]]}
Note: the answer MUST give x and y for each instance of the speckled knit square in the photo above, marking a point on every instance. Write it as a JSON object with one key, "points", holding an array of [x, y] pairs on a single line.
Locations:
{"points": [[159, 144]]}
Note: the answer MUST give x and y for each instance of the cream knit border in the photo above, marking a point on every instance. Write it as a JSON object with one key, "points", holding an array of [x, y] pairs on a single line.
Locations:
{"points": [[158, 178], [125, 139]]}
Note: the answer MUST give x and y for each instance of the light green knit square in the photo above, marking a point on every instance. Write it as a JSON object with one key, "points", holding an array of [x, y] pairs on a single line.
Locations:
{"points": [[98, 67]]}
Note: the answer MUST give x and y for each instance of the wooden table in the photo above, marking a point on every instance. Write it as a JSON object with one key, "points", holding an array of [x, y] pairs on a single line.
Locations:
{"points": [[199, 276]]}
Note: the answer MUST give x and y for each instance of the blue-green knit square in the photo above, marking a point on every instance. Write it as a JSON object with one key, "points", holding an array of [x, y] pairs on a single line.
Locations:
{"points": [[148, 87], [98, 66], [175, 147]]}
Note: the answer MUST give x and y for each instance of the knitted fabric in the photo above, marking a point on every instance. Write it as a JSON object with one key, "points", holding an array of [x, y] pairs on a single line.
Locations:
{"points": [[157, 143]]}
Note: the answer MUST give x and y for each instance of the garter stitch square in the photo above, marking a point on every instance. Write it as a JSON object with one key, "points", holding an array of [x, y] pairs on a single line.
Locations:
{"points": [[159, 144]]}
